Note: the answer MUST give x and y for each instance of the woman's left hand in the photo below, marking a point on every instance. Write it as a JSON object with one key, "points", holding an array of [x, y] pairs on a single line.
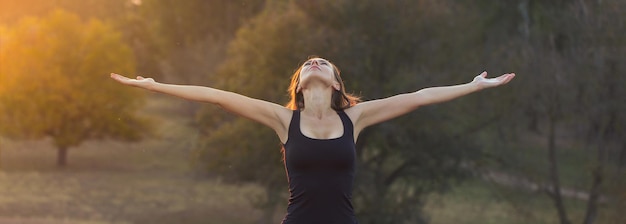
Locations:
{"points": [[483, 82]]}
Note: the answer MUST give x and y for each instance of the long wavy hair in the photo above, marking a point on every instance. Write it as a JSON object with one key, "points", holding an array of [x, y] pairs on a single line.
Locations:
{"points": [[340, 99]]}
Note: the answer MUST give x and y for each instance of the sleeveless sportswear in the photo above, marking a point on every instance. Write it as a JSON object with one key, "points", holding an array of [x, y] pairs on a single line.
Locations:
{"points": [[320, 174]]}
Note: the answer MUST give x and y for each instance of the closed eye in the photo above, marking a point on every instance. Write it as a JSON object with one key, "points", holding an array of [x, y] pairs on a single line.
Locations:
{"points": [[321, 62]]}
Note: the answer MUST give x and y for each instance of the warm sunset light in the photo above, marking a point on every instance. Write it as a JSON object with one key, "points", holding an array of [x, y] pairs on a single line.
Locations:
{"points": [[309, 112]]}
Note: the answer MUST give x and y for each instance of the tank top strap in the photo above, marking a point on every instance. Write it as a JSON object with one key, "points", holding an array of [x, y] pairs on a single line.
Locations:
{"points": [[347, 123]]}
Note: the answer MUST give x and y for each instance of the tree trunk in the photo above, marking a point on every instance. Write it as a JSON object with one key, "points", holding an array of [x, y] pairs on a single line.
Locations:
{"points": [[62, 156], [594, 194], [555, 192], [598, 170]]}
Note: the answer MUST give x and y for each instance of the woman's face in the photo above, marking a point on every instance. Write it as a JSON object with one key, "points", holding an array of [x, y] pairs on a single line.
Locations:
{"points": [[317, 69]]}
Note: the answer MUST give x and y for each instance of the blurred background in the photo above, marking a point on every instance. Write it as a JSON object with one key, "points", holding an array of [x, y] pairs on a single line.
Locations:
{"points": [[76, 147]]}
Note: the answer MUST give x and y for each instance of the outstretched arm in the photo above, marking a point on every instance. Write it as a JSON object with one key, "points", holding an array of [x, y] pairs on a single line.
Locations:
{"points": [[376, 111], [269, 114]]}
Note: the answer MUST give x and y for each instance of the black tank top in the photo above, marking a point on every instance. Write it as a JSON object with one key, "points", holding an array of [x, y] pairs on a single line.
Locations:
{"points": [[320, 174]]}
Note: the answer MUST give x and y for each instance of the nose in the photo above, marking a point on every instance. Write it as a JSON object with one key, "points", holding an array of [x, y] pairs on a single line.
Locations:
{"points": [[314, 62]]}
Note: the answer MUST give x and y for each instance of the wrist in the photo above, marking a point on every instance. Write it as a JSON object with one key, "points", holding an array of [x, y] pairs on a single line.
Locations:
{"points": [[152, 86], [476, 86]]}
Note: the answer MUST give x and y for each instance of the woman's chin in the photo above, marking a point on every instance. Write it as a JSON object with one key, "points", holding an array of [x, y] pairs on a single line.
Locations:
{"points": [[312, 81], [315, 77]]}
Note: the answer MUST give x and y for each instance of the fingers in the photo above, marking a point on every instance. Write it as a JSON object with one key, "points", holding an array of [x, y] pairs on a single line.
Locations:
{"points": [[506, 78], [117, 77], [121, 79], [509, 77], [493, 82]]}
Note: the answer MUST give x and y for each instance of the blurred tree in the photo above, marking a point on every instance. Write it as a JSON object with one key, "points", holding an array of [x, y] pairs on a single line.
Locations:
{"points": [[124, 15], [12, 11], [54, 82], [533, 36], [383, 48], [183, 41], [258, 65], [183, 23], [391, 47], [598, 45], [568, 50]]}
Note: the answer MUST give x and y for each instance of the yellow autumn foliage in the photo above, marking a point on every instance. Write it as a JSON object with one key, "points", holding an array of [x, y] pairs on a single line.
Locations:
{"points": [[54, 81]]}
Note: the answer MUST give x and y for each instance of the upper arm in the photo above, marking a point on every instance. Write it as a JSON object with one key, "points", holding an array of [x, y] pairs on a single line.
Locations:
{"points": [[375, 111], [269, 114]]}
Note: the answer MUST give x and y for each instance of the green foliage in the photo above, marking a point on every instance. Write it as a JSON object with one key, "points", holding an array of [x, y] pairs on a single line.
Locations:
{"points": [[239, 149], [568, 52], [377, 55], [180, 23], [567, 55], [54, 81]]}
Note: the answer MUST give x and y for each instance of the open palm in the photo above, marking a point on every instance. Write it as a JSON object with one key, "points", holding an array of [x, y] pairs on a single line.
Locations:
{"points": [[138, 82], [484, 82]]}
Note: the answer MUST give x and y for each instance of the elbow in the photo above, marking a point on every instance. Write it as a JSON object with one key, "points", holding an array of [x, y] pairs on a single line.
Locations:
{"points": [[215, 97], [421, 98]]}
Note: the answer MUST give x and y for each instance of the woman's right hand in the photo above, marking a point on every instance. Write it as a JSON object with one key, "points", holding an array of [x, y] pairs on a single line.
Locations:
{"points": [[140, 82]]}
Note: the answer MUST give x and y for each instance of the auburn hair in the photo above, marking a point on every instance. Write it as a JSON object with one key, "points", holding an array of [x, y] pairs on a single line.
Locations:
{"points": [[340, 100]]}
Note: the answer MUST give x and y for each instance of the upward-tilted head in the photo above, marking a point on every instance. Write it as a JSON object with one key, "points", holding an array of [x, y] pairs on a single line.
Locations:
{"points": [[316, 71]]}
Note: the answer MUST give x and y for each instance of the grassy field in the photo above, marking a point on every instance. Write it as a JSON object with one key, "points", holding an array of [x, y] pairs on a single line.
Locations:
{"points": [[479, 202], [113, 182], [152, 181]]}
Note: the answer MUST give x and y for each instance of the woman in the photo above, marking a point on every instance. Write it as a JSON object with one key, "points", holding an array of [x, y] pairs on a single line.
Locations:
{"points": [[319, 129]]}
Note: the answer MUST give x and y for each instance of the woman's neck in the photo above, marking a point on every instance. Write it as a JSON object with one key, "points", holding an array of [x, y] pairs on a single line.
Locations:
{"points": [[317, 101]]}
